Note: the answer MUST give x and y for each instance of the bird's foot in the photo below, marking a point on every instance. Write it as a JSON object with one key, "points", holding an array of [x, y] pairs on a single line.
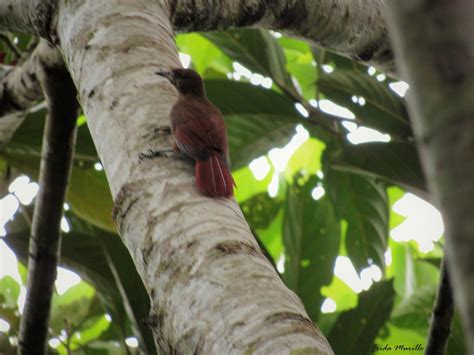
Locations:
{"points": [[151, 154]]}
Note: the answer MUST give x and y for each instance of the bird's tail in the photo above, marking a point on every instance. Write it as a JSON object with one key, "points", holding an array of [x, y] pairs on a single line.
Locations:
{"points": [[213, 177]]}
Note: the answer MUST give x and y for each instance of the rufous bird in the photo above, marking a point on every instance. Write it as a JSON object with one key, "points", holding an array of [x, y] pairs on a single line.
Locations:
{"points": [[200, 133]]}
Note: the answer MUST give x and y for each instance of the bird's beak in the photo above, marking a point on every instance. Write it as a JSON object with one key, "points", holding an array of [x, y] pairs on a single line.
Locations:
{"points": [[166, 74]]}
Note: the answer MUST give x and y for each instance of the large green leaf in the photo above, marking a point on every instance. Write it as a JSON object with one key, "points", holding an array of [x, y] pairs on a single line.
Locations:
{"points": [[90, 198], [456, 342], [383, 109], [28, 139], [271, 237], [255, 49], [414, 312], [324, 56], [260, 210], [344, 297], [306, 158], [88, 192], [397, 337], [300, 64], [394, 162], [311, 235], [257, 119], [205, 55], [9, 292], [355, 330], [92, 252], [74, 306], [363, 203]]}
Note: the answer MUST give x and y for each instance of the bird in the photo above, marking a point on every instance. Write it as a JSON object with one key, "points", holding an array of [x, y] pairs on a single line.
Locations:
{"points": [[200, 133]]}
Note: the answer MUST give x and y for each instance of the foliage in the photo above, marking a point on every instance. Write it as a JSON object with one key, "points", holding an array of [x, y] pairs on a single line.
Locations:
{"points": [[301, 231]]}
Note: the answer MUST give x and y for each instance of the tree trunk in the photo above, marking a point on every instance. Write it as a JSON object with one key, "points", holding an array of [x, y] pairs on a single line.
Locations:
{"points": [[435, 52], [211, 289]]}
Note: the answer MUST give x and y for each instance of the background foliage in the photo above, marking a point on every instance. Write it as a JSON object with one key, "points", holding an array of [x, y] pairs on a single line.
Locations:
{"points": [[332, 198]]}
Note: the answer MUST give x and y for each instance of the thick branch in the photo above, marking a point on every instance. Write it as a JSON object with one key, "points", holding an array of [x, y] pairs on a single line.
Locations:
{"points": [[58, 148], [435, 54], [441, 320], [20, 89], [353, 28], [37, 17]]}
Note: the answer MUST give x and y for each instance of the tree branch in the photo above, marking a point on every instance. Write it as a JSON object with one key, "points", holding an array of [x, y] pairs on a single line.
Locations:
{"points": [[20, 89], [435, 54], [443, 312], [36, 17], [58, 148], [353, 28]]}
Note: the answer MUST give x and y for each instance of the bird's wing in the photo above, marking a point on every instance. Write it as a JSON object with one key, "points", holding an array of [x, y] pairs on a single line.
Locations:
{"points": [[199, 130]]}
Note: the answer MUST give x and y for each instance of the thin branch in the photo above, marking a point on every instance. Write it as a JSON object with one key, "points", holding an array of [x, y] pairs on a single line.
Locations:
{"points": [[443, 311], [58, 147]]}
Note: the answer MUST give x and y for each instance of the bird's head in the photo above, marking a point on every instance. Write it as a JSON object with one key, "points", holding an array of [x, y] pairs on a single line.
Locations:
{"points": [[186, 81]]}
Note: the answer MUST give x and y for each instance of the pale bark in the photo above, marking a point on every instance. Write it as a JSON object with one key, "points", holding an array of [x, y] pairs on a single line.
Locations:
{"points": [[20, 89], [212, 291], [435, 53]]}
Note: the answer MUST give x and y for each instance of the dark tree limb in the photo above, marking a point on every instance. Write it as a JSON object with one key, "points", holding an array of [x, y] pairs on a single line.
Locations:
{"points": [[443, 312], [434, 50], [58, 148]]}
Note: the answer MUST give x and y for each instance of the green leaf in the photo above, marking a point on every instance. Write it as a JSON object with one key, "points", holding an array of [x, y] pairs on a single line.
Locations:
{"points": [[83, 250], [394, 194], [272, 237], [415, 311], [88, 192], [340, 293], [89, 197], [93, 328], [402, 269], [311, 235], [9, 292], [248, 185], [28, 139], [397, 336], [355, 330], [300, 64], [204, 54], [383, 109], [456, 342], [257, 119], [71, 307], [255, 49], [324, 56], [306, 158], [260, 210], [363, 203], [396, 163]]}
